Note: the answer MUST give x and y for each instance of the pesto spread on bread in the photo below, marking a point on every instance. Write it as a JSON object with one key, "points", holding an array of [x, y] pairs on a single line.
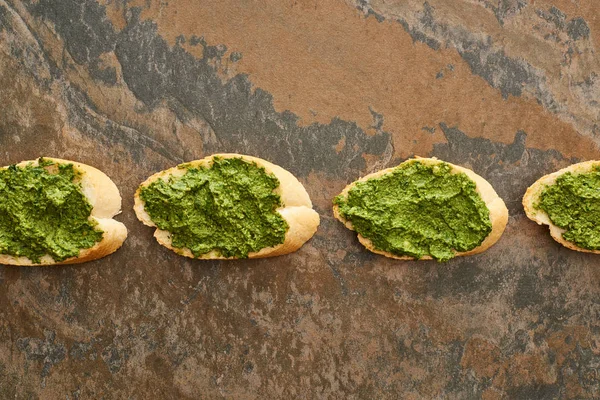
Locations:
{"points": [[229, 207], [418, 210], [43, 211], [573, 204]]}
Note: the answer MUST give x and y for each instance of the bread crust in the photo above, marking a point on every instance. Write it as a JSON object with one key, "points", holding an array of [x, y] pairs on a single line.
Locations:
{"points": [[297, 209], [498, 210], [104, 196], [534, 191]]}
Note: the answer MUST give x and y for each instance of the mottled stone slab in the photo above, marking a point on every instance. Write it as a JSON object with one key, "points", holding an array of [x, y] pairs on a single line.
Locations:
{"points": [[330, 90]]}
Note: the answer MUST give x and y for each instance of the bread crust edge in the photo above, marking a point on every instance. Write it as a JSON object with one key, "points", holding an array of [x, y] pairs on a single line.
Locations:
{"points": [[540, 217], [104, 196], [498, 210], [303, 221]]}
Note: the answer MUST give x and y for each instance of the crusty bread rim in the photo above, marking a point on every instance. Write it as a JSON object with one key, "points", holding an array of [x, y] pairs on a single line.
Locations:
{"points": [[498, 210], [296, 210], [534, 192], [105, 199]]}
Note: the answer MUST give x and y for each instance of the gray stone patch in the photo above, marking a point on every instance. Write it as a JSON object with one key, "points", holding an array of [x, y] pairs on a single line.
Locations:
{"points": [[378, 120], [235, 56], [4, 22], [243, 118], [44, 351], [418, 36], [81, 351], [195, 40], [23, 46], [508, 8], [113, 358], [108, 75], [82, 115], [527, 292], [577, 29], [510, 168], [541, 391], [559, 17], [83, 25], [463, 278], [365, 7], [553, 15], [509, 75], [191, 313]]}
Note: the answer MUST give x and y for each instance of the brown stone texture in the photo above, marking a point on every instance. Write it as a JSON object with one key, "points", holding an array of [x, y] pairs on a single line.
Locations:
{"points": [[330, 90]]}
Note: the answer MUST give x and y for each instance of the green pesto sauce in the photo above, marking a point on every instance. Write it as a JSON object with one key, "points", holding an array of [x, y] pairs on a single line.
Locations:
{"points": [[43, 211], [573, 203], [229, 207], [418, 210]]}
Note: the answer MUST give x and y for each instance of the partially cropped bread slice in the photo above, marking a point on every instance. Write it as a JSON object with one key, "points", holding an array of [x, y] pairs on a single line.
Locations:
{"points": [[296, 208], [498, 210], [102, 193], [532, 196]]}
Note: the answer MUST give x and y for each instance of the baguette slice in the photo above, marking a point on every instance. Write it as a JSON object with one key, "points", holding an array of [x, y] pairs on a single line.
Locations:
{"points": [[296, 209], [498, 210], [534, 192], [103, 195]]}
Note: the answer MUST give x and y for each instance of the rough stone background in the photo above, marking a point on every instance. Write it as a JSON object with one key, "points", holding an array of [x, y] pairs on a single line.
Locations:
{"points": [[330, 90]]}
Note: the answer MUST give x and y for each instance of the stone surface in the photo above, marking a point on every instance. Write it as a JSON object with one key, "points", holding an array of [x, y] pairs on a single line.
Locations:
{"points": [[330, 90]]}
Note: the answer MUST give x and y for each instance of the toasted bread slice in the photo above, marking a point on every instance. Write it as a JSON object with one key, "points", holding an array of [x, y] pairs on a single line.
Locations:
{"points": [[532, 196], [105, 199], [296, 209], [498, 210]]}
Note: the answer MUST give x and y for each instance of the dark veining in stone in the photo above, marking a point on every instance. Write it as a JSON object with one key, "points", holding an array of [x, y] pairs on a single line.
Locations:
{"points": [[45, 351], [577, 29], [510, 168], [378, 120], [511, 76], [553, 15], [456, 386], [83, 25], [419, 36], [365, 7], [107, 75], [82, 113], [81, 350], [585, 363], [527, 292], [518, 343], [24, 48], [195, 40], [508, 8], [559, 17], [113, 359], [508, 75], [243, 120], [462, 279], [204, 321], [540, 391], [235, 56], [4, 21]]}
